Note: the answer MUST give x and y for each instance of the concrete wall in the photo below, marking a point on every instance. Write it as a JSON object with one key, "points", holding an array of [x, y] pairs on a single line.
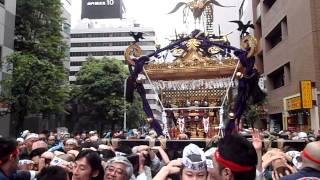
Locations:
{"points": [[66, 30], [7, 24]]}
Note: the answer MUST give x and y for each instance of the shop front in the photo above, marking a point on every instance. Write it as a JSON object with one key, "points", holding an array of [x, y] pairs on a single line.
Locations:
{"points": [[295, 118]]}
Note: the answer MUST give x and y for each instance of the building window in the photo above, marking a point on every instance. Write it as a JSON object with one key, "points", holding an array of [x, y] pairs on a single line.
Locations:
{"points": [[113, 34], [76, 63], [274, 37], [98, 53], [280, 77], [79, 44], [258, 29], [276, 78], [147, 52], [268, 3], [66, 28], [106, 44], [150, 33], [73, 73], [73, 54], [260, 62], [147, 43], [284, 28], [287, 73], [279, 33]]}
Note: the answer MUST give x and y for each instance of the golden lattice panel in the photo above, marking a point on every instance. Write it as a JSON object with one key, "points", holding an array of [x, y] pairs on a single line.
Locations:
{"points": [[211, 95]]}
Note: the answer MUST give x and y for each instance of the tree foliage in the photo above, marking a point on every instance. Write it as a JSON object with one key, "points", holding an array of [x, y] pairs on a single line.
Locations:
{"points": [[135, 114], [99, 90], [38, 29], [36, 83], [35, 86], [252, 112]]}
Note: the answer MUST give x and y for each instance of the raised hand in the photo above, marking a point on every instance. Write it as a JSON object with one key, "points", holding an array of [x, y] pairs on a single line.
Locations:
{"points": [[174, 166], [256, 140], [290, 170]]}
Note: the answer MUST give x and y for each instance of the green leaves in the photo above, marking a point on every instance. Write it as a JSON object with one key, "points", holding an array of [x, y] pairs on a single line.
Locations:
{"points": [[101, 84], [252, 113], [38, 29], [36, 85], [100, 88], [37, 82], [38, 77]]}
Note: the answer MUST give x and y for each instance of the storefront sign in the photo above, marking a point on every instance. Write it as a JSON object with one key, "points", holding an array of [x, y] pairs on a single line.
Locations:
{"points": [[306, 94], [294, 103]]}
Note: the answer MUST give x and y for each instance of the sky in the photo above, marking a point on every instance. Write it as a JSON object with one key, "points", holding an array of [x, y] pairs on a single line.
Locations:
{"points": [[154, 13]]}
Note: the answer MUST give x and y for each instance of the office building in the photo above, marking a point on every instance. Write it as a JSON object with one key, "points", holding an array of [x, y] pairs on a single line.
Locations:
{"points": [[289, 51], [94, 40], [88, 40], [66, 30], [7, 25]]}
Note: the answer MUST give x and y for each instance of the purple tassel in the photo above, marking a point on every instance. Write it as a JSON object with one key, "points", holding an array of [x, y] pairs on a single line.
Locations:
{"points": [[248, 87], [132, 84]]}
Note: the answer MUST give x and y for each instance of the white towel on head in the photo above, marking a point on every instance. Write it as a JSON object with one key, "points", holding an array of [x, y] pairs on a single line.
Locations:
{"points": [[296, 158], [209, 154], [25, 133], [32, 135], [20, 140], [193, 149]]}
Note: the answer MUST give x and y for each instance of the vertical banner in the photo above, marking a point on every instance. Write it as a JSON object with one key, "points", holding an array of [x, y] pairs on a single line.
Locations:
{"points": [[306, 94]]}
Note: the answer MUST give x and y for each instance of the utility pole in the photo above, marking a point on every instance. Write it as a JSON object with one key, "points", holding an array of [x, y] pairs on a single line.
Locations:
{"points": [[125, 105]]}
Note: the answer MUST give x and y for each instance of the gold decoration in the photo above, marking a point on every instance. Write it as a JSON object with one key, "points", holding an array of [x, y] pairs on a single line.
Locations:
{"points": [[213, 95], [132, 50], [214, 49], [149, 120], [231, 115], [192, 64], [193, 44], [239, 75], [177, 52], [196, 7], [141, 78], [220, 39], [247, 42]]}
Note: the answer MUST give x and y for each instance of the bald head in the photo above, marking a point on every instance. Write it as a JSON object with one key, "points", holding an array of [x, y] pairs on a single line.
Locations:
{"points": [[313, 149]]}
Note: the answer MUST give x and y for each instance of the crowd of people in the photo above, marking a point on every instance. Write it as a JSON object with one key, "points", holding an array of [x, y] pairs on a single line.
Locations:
{"points": [[85, 156]]}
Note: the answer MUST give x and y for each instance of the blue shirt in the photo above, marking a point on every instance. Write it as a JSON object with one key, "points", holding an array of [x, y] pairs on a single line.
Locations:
{"points": [[306, 173], [19, 175]]}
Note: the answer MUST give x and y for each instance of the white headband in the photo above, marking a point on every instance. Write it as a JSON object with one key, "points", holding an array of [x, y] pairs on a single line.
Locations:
{"points": [[32, 135], [208, 155], [193, 149]]}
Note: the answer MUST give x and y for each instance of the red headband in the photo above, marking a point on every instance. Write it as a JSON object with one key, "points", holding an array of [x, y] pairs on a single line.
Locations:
{"points": [[14, 152], [229, 164], [308, 156]]}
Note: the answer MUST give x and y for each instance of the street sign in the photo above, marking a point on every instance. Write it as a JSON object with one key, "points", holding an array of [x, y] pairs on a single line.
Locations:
{"points": [[306, 94]]}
